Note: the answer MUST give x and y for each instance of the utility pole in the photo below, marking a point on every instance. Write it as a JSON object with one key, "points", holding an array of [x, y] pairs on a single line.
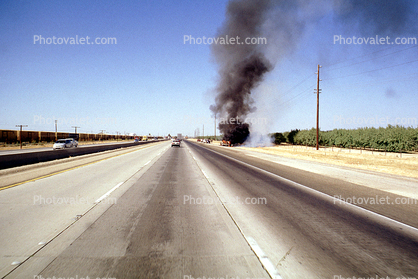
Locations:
{"points": [[117, 136], [101, 136], [75, 129], [20, 134], [75, 132], [56, 130], [203, 130], [317, 109], [215, 126]]}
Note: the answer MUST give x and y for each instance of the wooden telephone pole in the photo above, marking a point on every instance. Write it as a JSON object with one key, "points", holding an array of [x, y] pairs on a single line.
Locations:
{"points": [[215, 126], [317, 108], [20, 133]]}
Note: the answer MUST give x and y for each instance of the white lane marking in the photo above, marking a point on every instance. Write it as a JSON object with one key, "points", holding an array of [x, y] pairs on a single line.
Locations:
{"points": [[108, 193], [262, 257], [265, 261], [325, 196], [117, 186], [204, 173]]}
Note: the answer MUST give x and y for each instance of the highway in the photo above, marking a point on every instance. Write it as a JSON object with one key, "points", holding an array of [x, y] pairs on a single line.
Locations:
{"points": [[156, 211], [49, 149]]}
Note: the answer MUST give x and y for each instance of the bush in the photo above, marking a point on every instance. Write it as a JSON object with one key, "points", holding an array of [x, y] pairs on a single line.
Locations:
{"points": [[278, 138]]}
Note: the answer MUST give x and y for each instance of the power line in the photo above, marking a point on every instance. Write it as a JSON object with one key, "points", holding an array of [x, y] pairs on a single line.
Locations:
{"points": [[388, 67], [291, 89], [368, 54], [387, 54], [294, 97], [294, 87], [397, 78]]}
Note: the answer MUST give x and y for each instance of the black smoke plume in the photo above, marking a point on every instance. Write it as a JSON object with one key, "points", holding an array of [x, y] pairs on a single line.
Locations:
{"points": [[242, 67], [283, 22]]}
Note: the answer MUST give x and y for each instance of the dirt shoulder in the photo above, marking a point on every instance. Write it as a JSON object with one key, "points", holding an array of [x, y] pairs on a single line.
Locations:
{"points": [[392, 163]]}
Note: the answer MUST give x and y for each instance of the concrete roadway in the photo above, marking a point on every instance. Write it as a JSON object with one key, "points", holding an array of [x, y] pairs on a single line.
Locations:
{"points": [[193, 212]]}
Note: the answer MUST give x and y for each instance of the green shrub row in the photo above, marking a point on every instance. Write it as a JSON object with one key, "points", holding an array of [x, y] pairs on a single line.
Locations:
{"points": [[391, 138]]}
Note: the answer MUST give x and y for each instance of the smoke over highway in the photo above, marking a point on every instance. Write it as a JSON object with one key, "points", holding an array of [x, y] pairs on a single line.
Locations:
{"points": [[242, 67]]}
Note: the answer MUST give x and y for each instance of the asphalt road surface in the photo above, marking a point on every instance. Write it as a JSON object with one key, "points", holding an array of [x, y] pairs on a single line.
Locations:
{"points": [[199, 211], [49, 149]]}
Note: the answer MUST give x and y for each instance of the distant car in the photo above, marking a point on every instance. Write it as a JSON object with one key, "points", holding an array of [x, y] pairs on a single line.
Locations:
{"points": [[136, 140], [65, 143], [175, 142]]}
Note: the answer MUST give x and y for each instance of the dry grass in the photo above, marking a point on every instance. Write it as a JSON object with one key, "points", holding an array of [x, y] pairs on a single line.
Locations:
{"points": [[405, 165]]}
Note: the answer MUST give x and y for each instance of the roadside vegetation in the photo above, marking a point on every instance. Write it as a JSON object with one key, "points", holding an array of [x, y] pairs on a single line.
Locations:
{"points": [[391, 138]]}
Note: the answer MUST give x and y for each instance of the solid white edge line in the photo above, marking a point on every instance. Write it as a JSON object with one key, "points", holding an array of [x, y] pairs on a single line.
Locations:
{"points": [[265, 261], [147, 162], [262, 257], [108, 193], [323, 194]]}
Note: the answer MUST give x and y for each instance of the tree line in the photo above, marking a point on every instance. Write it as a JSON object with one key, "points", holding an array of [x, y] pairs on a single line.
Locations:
{"points": [[392, 138]]}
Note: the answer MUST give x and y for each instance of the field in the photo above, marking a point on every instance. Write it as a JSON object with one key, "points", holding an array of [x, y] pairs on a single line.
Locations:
{"points": [[392, 163]]}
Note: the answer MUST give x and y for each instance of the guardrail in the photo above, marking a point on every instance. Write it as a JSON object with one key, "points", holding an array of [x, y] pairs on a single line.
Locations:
{"points": [[27, 158]]}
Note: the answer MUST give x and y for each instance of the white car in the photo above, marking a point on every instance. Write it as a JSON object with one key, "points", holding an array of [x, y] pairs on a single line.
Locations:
{"points": [[175, 142], [65, 143]]}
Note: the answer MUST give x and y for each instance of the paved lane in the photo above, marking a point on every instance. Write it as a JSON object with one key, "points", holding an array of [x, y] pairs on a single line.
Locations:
{"points": [[151, 232], [304, 234], [35, 212], [192, 212]]}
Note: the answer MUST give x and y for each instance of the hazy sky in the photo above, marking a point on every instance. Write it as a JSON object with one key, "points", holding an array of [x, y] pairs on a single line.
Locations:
{"points": [[148, 80]]}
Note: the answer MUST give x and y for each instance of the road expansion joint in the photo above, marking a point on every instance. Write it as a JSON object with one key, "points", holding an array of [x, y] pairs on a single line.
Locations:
{"points": [[264, 260]]}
